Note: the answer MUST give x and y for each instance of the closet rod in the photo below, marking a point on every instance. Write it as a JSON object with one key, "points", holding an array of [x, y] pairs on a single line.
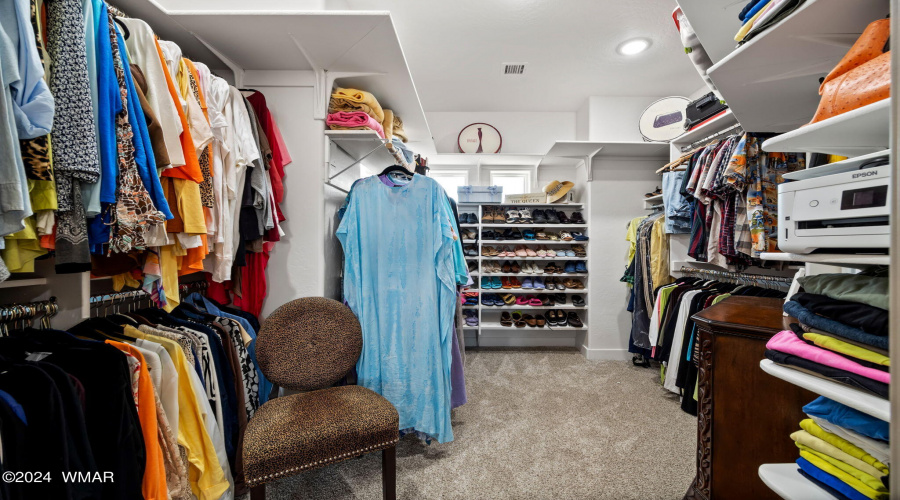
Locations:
{"points": [[711, 137], [712, 273], [14, 313]]}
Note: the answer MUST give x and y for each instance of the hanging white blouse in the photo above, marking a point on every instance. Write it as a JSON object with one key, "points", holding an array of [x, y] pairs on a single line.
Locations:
{"points": [[142, 51]]}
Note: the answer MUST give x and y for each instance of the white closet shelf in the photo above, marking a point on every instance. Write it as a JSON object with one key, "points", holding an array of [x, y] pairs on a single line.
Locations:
{"points": [[531, 226], [533, 242], [523, 291], [18, 283], [832, 258], [539, 275], [359, 143], [537, 205], [721, 122], [860, 131], [575, 152], [653, 201], [498, 326], [789, 484], [771, 82], [867, 403], [488, 159]]}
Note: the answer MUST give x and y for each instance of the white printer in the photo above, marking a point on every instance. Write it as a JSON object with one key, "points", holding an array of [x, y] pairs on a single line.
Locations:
{"points": [[842, 206]]}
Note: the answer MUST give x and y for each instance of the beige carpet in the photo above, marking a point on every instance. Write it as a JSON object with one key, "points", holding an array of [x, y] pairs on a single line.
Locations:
{"points": [[538, 424]]}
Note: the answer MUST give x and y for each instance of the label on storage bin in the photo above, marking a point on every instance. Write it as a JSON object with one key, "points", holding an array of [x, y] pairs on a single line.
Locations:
{"points": [[526, 198]]}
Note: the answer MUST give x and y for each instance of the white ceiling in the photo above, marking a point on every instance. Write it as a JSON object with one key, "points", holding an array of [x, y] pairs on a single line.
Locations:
{"points": [[455, 50]]}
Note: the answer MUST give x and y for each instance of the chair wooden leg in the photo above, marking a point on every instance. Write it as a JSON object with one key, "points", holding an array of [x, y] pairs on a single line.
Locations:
{"points": [[389, 472], [258, 492]]}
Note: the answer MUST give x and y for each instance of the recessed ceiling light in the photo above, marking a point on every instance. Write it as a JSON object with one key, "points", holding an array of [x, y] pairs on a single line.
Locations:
{"points": [[632, 47]]}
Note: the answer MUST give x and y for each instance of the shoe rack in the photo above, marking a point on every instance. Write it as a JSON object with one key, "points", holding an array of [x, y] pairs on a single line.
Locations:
{"points": [[489, 315]]}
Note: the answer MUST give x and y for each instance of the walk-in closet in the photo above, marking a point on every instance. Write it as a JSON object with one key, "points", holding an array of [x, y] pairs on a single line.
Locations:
{"points": [[381, 249]]}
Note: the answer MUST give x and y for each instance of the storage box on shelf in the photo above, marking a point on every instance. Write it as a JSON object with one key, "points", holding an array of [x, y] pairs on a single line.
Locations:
{"points": [[489, 316]]}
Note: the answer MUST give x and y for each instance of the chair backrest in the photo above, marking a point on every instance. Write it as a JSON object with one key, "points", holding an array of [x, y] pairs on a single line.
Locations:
{"points": [[309, 344]]}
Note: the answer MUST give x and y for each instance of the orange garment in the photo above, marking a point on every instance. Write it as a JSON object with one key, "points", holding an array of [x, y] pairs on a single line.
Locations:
{"points": [[154, 483], [207, 212], [191, 169]]}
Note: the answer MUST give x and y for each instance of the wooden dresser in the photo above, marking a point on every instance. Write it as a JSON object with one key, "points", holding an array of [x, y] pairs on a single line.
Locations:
{"points": [[745, 416]]}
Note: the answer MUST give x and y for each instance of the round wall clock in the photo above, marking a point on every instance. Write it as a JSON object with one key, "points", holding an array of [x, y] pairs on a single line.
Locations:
{"points": [[479, 138]]}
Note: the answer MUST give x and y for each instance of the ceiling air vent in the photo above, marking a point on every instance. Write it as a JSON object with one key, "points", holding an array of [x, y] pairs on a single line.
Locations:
{"points": [[513, 69]]}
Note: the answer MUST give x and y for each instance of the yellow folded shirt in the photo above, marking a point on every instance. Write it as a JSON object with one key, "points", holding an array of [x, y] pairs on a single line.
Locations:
{"points": [[856, 479], [846, 446], [749, 25], [847, 349], [805, 440], [357, 100]]}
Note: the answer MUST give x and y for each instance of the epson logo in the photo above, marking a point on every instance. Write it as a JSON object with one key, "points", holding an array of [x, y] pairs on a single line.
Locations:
{"points": [[868, 173]]}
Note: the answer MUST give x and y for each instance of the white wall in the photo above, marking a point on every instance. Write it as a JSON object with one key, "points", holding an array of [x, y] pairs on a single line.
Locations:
{"points": [[297, 263], [616, 119], [522, 132]]}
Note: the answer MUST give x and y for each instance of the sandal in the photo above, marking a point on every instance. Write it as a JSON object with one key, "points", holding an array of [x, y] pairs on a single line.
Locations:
{"points": [[579, 236], [512, 216], [536, 302], [552, 217], [549, 283], [529, 320], [539, 217], [578, 301], [529, 234], [541, 252], [522, 300], [525, 216], [540, 321], [515, 268], [506, 267], [530, 252], [505, 283], [542, 235], [565, 236], [520, 251], [506, 319], [508, 299], [560, 298], [574, 320], [518, 320], [527, 284], [515, 282], [553, 236], [552, 253], [548, 300], [550, 268]]}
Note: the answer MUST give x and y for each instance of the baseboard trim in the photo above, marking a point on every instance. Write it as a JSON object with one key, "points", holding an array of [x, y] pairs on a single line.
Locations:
{"points": [[605, 354]]}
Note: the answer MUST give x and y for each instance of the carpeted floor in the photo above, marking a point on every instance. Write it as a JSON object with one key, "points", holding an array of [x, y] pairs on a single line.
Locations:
{"points": [[538, 424]]}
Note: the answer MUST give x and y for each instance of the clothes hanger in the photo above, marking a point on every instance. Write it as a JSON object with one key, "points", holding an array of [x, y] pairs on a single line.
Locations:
{"points": [[396, 168], [126, 33]]}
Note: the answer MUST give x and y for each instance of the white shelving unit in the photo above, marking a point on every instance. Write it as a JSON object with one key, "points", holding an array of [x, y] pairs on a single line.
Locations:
{"points": [[860, 131], [715, 124], [836, 167], [864, 402], [653, 201], [771, 82], [585, 152], [789, 484], [489, 316], [18, 283], [835, 259]]}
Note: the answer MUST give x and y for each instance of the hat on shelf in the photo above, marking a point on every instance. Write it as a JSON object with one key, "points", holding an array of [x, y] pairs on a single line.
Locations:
{"points": [[557, 190]]}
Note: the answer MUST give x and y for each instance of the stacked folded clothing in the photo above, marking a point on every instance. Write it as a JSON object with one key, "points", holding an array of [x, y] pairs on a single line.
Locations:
{"points": [[356, 100], [759, 15], [398, 129], [843, 331], [353, 120], [844, 451]]}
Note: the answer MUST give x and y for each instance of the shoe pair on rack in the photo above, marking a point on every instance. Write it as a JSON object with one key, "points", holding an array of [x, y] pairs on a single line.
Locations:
{"points": [[520, 320], [492, 215], [470, 250], [471, 317], [530, 268], [469, 234], [577, 218], [491, 299], [468, 218], [575, 267], [574, 284], [548, 216], [554, 284], [558, 317], [579, 236], [518, 216], [579, 251]]}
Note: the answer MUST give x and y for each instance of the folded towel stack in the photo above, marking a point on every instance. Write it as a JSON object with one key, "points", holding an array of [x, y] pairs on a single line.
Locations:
{"points": [[355, 120], [354, 109], [844, 451]]}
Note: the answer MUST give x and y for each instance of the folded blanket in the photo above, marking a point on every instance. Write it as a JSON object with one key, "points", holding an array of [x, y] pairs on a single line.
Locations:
{"points": [[830, 479], [848, 418], [356, 100], [865, 356], [828, 373], [871, 290], [788, 343], [388, 125], [807, 441], [859, 481], [807, 318], [398, 129], [869, 319], [879, 450], [356, 120], [847, 447]]}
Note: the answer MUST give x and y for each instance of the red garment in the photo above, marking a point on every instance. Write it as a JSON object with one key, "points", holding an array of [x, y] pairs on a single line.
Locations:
{"points": [[253, 283], [220, 292], [280, 155]]}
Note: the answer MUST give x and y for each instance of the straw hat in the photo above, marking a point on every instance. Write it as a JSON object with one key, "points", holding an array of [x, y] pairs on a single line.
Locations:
{"points": [[557, 190]]}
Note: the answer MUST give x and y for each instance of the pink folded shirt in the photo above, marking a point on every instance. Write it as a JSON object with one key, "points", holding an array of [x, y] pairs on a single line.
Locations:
{"points": [[788, 343], [354, 119]]}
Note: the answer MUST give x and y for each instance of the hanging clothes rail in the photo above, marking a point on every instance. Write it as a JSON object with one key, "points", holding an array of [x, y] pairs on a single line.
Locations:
{"points": [[20, 314], [740, 278], [114, 301], [711, 137]]}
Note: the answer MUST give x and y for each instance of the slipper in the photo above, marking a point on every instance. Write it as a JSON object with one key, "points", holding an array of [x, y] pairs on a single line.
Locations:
{"points": [[525, 216], [529, 320], [566, 236], [540, 321], [552, 216], [561, 298], [505, 281], [542, 235], [551, 317], [574, 320], [485, 282], [522, 300], [553, 236], [520, 251], [541, 252], [515, 268], [580, 267], [515, 282], [560, 285], [508, 299], [561, 319], [529, 234], [516, 235], [570, 267], [498, 215], [539, 284], [527, 284], [530, 252], [539, 217], [488, 216], [552, 253], [549, 283], [506, 267], [536, 302], [578, 301], [512, 216], [518, 320], [506, 319], [578, 236]]}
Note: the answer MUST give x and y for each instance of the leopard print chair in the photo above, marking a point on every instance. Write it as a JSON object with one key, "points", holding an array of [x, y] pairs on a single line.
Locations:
{"points": [[308, 345]]}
